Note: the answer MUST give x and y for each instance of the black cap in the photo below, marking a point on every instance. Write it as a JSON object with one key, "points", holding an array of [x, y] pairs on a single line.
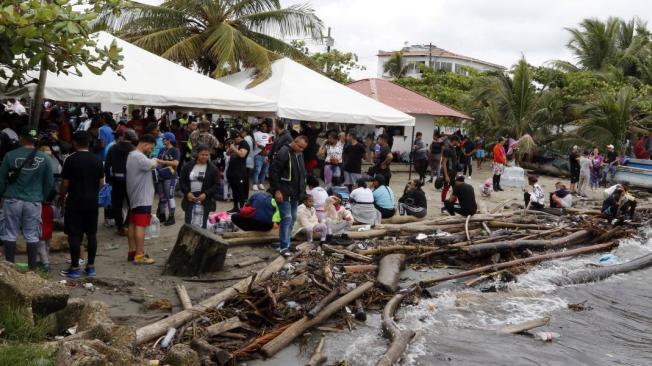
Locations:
{"points": [[459, 178]]}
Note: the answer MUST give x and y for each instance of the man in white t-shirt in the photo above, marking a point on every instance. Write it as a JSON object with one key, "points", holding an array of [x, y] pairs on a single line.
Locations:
{"points": [[262, 146], [14, 106]]}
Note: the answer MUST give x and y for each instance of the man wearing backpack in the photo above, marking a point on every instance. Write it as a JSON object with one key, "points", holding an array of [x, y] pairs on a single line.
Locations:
{"points": [[26, 179]]}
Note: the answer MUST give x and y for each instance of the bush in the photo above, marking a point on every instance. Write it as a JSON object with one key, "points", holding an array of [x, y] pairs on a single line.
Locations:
{"points": [[26, 355]]}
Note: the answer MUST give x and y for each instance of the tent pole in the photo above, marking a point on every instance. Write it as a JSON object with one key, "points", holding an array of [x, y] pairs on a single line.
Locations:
{"points": [[411, 154]]}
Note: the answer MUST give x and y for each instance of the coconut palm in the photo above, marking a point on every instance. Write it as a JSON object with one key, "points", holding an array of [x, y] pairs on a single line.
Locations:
{"points": [[608, 120], [511, 101], [594, 42], [217, 37], [395, 66]]}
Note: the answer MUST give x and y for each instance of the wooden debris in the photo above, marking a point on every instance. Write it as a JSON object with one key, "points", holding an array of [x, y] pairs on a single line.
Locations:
{"points": [[318, 357], [347, 253], [183, 297], [300, 326], [523, 327], [400, 338], [215, 354], [360, 314], [196, 251], [485, 248], [605, 272], [360, 268], [224, 326], [322, 304], [389, 271]]}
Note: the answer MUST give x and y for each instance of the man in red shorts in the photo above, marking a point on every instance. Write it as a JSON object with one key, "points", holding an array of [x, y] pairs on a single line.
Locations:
{"points": [[140, 190]]}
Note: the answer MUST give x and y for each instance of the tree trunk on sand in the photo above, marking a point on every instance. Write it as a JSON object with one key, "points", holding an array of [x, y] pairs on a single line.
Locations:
{"points": [[38, 95], [502, 246], [318, 357], [183, 297], [196, 251], [400, 338], [517, 262], [323, 303], [400, 220], [248, 234], [154, 330], [522, 327], [360, 268], [303, 324], [604, 272], [224, 326], [389, 271]]}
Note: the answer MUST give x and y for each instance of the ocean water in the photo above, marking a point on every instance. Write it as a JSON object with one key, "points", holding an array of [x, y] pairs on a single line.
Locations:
{"points": [[458, 326]]}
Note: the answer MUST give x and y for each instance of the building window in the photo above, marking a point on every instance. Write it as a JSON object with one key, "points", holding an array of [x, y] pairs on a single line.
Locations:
{"points": [[445, 66], [460, 69]]}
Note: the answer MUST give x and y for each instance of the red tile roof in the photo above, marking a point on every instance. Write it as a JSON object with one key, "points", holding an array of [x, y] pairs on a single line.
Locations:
{"points": [[403, 99]]}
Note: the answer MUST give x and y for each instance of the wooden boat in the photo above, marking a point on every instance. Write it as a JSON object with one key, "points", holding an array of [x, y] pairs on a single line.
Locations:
{"points": [[637, 172]]}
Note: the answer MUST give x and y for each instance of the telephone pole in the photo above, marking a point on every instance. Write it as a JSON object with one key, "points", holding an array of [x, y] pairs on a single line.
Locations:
{"points": [[430, 55]]}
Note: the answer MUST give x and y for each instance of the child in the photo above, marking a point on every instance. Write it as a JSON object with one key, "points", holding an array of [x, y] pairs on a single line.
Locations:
{"points": [[534, 199], [319, 196], [487, 188], [308, 218], [339, 189], [338, 218]]}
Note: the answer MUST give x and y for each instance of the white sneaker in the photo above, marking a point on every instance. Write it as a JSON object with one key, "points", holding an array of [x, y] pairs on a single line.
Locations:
{"points": [[261, 187], [254, 187]]}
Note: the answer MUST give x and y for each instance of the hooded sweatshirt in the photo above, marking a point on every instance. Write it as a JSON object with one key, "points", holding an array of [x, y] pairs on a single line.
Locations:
{"points": [[115, 166]]}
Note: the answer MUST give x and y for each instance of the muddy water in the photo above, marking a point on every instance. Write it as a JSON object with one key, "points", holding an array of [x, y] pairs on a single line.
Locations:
{"points": [[457, 327]]}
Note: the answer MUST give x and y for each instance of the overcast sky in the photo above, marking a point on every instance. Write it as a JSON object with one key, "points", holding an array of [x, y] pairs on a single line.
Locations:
{"points": [[497, 31]]}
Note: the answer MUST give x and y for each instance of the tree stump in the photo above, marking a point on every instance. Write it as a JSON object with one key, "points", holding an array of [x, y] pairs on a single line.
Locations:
{"points": [[196, 251]]}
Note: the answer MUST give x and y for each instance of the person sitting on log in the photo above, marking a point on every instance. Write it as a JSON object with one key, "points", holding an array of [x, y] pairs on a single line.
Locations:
{"points": [[609, 191], [536, 198], [618, 204], [338, 218], [260, 213], [413, 202], [462, 192], [383, 197], [561, 197], [362, 204], [309, 221], [319, 196]]}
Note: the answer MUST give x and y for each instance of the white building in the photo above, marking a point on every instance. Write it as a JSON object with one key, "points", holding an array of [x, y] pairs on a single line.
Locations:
{"points": [[439, 59]]}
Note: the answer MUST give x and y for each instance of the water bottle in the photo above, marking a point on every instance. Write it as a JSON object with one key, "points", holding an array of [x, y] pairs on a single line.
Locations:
{"points": [[197, 214], [167, 340], [148, 231], [547, 336], [155, 227]]}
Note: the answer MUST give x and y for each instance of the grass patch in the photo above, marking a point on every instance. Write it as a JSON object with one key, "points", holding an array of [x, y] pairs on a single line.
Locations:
{"points": [[13, 354], [19, 329]]}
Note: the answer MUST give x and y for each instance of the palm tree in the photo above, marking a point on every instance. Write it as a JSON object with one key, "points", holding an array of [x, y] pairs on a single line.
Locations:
{"points": [[594, 42], [510, 103], [395, 66], [608, 120], [217, 37]]}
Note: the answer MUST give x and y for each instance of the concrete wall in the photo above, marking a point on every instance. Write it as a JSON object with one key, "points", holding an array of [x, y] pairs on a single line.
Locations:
{"points": [[414, 72], [424, 124]]}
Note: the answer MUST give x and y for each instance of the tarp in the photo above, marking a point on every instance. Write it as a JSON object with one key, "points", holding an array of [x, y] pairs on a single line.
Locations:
{"points": [[303, 94], [150, 80]]}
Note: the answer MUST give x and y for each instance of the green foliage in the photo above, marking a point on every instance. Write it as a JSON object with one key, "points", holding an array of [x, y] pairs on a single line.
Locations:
{"points": [[395, 66], [337, 65], [18, 328], [53, 34], [218, 37], [13, 354]]}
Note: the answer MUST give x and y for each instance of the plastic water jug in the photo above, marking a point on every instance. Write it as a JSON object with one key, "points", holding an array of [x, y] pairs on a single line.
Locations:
{"points": [[513, 177], [155, 226], [197, 215]]}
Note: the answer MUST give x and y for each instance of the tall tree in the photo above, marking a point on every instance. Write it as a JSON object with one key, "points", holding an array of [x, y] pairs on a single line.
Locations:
{"points": [[337, 65], [217, 37], [51, 36], [395, 66], [594, 42]]}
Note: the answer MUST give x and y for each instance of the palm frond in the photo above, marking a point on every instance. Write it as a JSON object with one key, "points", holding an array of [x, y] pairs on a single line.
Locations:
{"points": [[295, 20]]}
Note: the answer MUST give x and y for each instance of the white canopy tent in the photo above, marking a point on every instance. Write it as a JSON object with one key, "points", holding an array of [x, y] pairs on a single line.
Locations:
{"points": [[303, 94], [149, 80]]}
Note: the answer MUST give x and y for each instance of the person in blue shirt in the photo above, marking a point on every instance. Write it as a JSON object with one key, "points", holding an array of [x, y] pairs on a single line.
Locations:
{"points": [[260, 213], [383, 197], [105, 139]]}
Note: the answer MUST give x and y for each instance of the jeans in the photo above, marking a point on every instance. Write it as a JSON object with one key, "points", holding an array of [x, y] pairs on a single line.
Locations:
{"points": [[260, 169], [331, 171], [288, 211], [166, 191]]}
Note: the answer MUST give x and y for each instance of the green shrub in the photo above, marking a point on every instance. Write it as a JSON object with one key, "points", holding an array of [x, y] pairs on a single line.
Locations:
{"points": [[14, 354], [18, 328]]}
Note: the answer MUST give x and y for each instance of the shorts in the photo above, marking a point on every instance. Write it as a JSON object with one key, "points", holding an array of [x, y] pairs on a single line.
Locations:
{"points": [[21, 216], [351, 178], [77, 222], [141, 216], [480, 154], [575, 177]]}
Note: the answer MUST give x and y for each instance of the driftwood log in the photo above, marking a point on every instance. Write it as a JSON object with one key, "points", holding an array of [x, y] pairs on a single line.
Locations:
{"points": [[400, 338], [183, 297], [157, 329], [224, 326], [389, 271], [323, 303], [503, 246], [517, 262], [522, 327], [605, 272], [360, 314], [318, 357], [196, 251], [248, 234], [360, 268], [347, 253], [300, 326]]}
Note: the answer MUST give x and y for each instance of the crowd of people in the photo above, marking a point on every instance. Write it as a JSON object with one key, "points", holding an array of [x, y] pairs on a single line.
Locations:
{"points": [[60, 168]]}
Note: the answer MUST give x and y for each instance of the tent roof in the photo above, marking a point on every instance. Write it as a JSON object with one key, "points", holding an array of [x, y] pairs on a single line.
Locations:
{"points": [[303, 94], [152, 81], [403, 99]]}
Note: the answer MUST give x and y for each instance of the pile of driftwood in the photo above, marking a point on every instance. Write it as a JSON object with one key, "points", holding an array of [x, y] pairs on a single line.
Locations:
{"points": [[330, 288]]}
